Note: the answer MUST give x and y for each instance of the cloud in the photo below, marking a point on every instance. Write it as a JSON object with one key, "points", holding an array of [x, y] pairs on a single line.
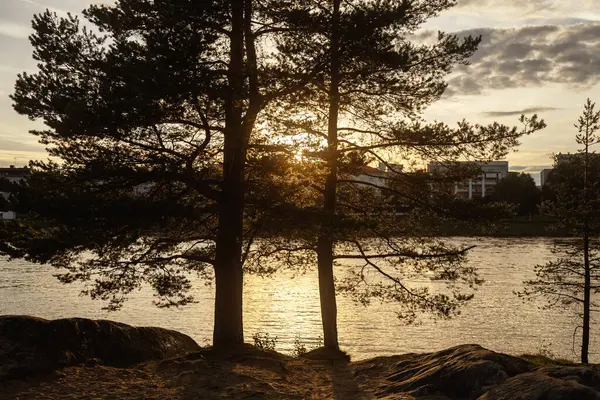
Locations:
{"points": [[530, 56], [531, 110], [41, 6], [529, 168], [15, 30], [525, 6], [520, 9], [35, 3], [13, 145], [563, 21]]}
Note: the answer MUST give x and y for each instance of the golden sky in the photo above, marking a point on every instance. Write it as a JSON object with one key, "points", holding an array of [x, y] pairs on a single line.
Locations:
{"points": [[540, 57]]}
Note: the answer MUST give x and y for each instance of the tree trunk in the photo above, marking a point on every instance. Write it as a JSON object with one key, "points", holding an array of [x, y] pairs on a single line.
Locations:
{"points": [[228, 325], [325, 242], [585, 339], [327, 293], [585, 335]]}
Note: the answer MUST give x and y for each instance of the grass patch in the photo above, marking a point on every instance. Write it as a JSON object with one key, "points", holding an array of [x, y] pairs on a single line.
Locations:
{"points": [[542, 360]]}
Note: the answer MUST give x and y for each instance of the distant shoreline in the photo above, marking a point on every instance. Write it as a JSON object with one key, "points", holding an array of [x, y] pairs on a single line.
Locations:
{"points": [[518, 227]]}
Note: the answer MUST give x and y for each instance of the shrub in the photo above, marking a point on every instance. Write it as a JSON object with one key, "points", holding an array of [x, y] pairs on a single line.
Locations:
{"points": [[263, 341], [300, 348]]}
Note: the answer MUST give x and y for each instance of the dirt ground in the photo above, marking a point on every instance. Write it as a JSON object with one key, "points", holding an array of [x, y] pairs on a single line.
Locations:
{"points": [[256, 376], [466, 372]]}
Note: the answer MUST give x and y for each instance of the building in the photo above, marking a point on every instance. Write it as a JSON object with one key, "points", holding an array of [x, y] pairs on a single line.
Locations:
{"points": [[377, 178], [12, 175], [371, 176], [544, 174], [483, 182], [576, 159], [8, 215]]}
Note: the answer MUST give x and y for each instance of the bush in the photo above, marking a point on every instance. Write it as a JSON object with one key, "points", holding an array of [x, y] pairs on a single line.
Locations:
{"points": [[300, 348], [263, 341]]}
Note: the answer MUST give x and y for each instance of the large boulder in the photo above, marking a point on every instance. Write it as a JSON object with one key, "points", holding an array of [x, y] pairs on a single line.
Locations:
{"points": [[30, 345], [581, 382], [463, 372]]}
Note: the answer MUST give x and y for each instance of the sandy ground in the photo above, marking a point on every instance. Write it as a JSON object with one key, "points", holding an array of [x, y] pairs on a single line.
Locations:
{"points": [[93, 383], [462, 372], [267, 375]]}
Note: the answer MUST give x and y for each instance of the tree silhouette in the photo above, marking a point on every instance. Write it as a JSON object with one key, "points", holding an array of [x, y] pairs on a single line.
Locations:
{"points": [[367, 101], [570, 280], [520, 190], [151, 117]]}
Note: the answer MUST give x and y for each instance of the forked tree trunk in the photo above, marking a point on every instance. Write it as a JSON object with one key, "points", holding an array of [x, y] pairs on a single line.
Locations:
{"points": [[228, 325], [325, 242]]}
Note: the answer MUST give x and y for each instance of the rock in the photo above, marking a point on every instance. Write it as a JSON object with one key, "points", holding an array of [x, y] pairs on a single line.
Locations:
{"points": [[580, 382], [323, 353], [30, 345], [463, 372]]}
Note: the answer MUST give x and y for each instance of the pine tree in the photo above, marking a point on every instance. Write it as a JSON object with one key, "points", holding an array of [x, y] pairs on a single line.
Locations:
{"points": [[368, 100], [153, 121], [573, 278]]}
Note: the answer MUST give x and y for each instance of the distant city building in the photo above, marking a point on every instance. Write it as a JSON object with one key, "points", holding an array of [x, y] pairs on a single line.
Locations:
{"points": [[377, 178], [481, 184], [544, 174], [371, 176], [12, 175], [564, 158], [8, 215]]}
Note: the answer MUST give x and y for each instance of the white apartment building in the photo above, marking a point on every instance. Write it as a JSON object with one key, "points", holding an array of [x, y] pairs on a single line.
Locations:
{"points": [[482, 184]]}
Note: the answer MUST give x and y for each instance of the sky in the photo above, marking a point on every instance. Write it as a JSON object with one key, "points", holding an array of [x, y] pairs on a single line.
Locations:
{"points": [[542, 57]]}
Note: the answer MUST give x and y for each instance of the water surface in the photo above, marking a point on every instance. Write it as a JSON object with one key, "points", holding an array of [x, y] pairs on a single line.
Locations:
{"points": [[288, 308]]}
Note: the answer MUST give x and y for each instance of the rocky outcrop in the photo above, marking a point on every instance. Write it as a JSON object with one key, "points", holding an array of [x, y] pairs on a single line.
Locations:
{"points": [[467, 372], [470, 372], [581, 382], [463, 372], [31, 345]]}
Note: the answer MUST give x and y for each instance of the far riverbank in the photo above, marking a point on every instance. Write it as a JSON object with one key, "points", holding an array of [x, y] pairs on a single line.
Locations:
{"points": [[536, 226]]}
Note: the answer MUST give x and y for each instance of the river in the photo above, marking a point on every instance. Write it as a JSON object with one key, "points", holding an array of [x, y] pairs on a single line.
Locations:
{"points": [[287, 308]]}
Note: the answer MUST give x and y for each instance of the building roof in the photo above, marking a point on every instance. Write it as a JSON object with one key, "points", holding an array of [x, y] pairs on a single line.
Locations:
{"points": [[485, 166], [14, 172], [367, 169]]}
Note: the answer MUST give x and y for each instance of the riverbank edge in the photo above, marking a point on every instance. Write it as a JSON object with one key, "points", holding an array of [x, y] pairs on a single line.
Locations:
{"points": [[461, 372]]}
